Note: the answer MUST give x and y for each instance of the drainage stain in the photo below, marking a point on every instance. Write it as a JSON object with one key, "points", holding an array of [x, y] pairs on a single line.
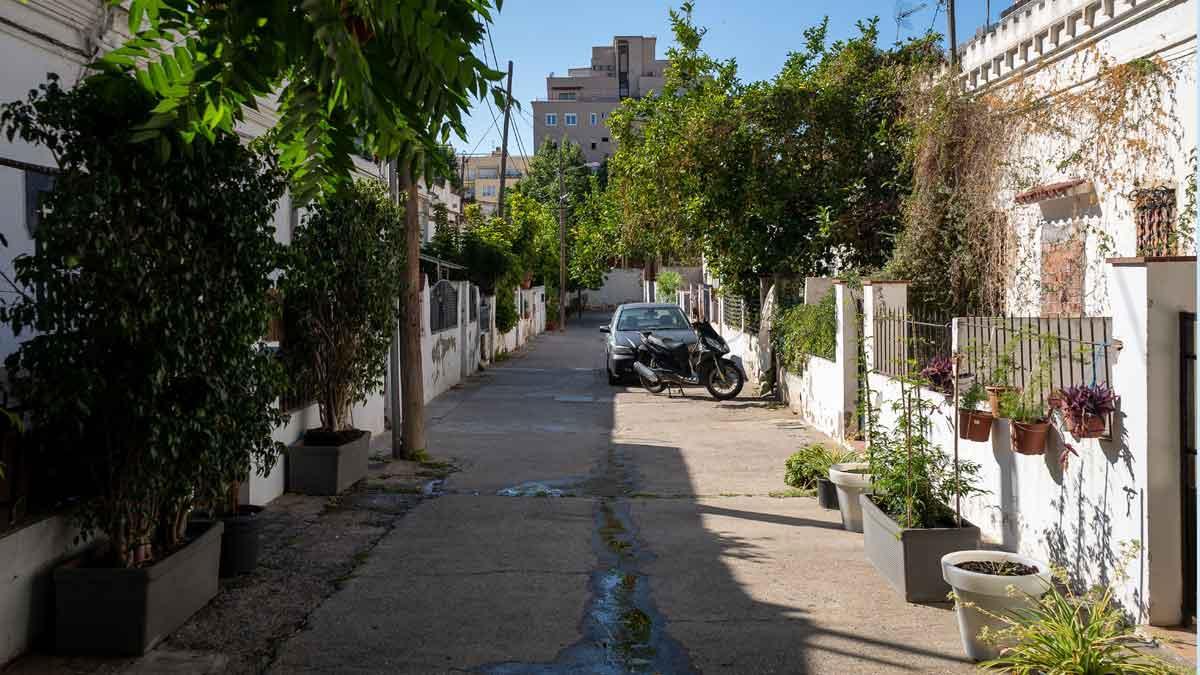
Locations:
{"points": [[622, 631]]}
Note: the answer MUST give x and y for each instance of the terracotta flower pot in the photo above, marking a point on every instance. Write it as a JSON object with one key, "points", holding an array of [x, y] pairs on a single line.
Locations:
{"points": [[1090, 426], [1029, 438], [994, 392], [975, 425]]}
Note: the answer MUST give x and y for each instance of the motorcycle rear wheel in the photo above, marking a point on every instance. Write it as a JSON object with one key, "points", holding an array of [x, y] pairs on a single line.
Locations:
{"points": [[726, 389], [653, 388]]}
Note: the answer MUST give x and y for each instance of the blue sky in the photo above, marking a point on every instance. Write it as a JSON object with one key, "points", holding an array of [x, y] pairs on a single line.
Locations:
{"points": [[544, 36]]}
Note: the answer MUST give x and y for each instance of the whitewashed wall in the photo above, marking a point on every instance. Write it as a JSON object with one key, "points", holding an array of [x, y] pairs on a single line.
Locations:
{"points": [[825, 392], [621, 285], [1056, 46], [1115, 492]]}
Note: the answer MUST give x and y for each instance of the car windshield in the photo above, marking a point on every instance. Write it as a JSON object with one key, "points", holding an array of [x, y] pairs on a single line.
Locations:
{"points": [[651, 318]]}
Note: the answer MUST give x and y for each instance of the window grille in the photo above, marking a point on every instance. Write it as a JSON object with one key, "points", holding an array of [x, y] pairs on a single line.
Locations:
{"points": [[443, 307]]}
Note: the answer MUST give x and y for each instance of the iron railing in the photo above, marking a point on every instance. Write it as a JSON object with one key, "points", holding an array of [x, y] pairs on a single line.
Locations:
{"points": [[1043, 353], [443, 306], [907, 343]]}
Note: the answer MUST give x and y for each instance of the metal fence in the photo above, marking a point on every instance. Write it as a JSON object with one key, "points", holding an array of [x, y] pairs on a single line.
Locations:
{"points": [[733, 310], [1042, 353], [443, 306], [906, 343]]}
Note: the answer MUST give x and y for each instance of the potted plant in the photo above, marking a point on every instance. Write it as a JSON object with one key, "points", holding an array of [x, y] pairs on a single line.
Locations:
{"points": [[987, 585], [340, 309], [146, 373], [809, 468], [939, 372], [1085, 408], [1028, 422], [973, 424], [999, 378], [909, 521]]}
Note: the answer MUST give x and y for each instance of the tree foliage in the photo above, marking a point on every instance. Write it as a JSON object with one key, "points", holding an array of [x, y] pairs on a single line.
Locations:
{"points": [[801, 174], [340, 297], [146, 300], [353, 77]]}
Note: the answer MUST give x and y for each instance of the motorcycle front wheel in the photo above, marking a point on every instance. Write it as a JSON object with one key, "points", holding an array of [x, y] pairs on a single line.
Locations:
{"points": [[727, 387]]}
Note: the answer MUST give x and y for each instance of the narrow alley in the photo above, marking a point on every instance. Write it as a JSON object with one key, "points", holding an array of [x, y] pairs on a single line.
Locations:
{"points": [[598, 529]]}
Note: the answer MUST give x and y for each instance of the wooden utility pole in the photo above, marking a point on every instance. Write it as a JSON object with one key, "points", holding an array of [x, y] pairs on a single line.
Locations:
{"points": [[394, 352], [504, 141], [952, 37], [562, 244], [411, 385]]}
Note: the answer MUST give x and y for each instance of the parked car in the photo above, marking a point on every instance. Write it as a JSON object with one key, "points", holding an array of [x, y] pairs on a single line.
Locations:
{"points": [[629, 321]]}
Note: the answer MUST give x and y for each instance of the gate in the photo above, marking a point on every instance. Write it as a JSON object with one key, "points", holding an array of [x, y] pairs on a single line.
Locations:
{"points": [[1187, 448]]}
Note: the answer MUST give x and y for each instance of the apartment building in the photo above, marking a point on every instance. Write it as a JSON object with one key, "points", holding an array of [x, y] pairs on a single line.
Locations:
{"points": [[577, 105], [432, 194], [481, 177]]}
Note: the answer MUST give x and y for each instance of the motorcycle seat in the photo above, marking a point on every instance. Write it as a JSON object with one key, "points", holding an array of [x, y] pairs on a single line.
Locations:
{"points": [[662, 342]]}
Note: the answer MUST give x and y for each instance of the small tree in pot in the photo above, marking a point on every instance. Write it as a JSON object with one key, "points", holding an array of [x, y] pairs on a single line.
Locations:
{"points": [[340, 297], [911, 519], [973, 424], [148, 295]]}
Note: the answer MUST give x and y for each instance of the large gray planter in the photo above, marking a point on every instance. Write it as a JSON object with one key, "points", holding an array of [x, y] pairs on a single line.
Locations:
{"points": [[911, 559], [327, 469], [106, 610]]}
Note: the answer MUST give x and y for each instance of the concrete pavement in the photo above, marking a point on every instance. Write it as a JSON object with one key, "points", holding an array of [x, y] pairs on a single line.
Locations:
{"points": [[644, 540]]}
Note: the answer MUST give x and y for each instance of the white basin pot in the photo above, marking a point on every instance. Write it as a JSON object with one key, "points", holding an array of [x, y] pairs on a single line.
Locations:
{"points": [[849, 486], [989, 593]]}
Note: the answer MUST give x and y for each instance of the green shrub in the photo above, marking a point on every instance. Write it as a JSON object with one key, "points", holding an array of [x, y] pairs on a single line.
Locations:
{"points": [[147, 298], [1064, 632], [803, 468], [340, 297], [506, 310], [667, 286], [806, 330]]}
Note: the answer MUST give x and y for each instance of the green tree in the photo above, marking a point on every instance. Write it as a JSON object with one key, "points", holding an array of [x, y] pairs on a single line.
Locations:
{"points": [[339, 297], [353, 77], [146, 299], [595, 238]]}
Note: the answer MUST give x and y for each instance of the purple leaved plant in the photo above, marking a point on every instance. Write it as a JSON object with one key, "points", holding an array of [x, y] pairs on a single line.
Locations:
{"points": [[940, 372]]}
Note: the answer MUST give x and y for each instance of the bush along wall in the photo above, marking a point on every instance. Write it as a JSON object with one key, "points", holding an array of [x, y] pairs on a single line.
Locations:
{"points": [[144, 376], [806, 330]]}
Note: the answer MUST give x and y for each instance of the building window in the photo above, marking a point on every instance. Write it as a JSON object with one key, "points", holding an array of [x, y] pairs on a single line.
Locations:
{"points": [[489, 190], [1154, 214], [471, 174], [593, 119], [551, 119], [604, 140], [570, 119], [566, 95], [489, 173], [593, 145]]}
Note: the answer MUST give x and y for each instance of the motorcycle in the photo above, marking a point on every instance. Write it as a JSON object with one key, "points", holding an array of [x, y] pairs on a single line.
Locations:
{"points": [[663, 361]]}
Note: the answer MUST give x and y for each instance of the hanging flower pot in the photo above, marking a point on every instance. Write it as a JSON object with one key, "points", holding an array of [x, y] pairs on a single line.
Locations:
{"points": [[1085, 408], [1089, 426], [1029, 438], [994, 392], [975, 425]]}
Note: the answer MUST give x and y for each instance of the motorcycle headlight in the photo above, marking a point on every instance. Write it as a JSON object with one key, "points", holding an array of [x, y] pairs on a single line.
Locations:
{"points": [[715, 346]]}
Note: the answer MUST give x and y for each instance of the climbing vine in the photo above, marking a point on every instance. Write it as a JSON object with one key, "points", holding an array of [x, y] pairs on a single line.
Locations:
{"points": [[966, 247]]}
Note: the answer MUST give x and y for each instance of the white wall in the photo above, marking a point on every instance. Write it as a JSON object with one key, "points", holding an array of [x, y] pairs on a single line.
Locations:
{"points": [[1054, 46], [825, 393], [621, 285], [1115, 492]]}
